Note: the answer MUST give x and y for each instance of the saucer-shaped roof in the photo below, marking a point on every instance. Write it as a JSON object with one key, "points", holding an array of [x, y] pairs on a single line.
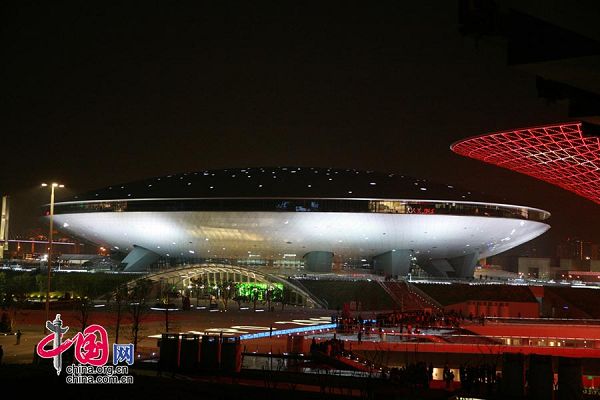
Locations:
{"points": [[284, 182]]}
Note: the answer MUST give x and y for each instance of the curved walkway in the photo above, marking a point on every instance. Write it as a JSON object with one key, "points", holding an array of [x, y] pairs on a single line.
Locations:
{"points": [[214, 273]]}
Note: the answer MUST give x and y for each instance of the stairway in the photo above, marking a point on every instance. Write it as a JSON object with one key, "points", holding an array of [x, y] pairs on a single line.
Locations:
{"points": [[408, 297]]}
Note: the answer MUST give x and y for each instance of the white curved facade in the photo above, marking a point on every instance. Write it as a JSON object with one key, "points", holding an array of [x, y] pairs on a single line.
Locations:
{"points": [[272, 234], [313, 216]]}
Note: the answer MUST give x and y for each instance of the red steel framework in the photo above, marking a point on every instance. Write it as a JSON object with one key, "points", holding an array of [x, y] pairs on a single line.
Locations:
{"points": [[559, 154]]}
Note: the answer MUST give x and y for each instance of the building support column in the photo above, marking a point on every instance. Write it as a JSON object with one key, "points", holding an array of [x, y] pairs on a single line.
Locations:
{"points": [[457, 267], [138, 259], [438, 267], [464, 267], [318, 261], [393, 262]]}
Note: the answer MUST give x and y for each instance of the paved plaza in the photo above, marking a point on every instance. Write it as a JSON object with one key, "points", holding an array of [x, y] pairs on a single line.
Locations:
{"points": [[234, 322]]}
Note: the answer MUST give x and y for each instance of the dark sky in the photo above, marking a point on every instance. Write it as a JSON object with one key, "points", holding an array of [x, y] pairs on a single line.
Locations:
{"points": [[97, 96]]}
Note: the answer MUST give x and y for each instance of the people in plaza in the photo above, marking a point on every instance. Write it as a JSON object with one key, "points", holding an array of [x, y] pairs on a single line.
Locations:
{"points": [[413, 375], [313, 345], [430, 372], [18, 334], [332, 347], [448, 376]]}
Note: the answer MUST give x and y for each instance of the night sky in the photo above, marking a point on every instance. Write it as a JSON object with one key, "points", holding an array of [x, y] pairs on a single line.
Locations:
{"points": [[98, 96]]}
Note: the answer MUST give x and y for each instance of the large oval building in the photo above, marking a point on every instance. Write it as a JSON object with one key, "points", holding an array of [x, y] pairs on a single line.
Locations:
{"points": [[291, 216]]}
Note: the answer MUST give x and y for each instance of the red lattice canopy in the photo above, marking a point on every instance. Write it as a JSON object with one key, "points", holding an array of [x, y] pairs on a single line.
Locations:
{"points": [[559, 154]]}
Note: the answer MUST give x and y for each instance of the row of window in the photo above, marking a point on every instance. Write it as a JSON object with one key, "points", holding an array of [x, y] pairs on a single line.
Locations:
{"points": [[306, 205]]}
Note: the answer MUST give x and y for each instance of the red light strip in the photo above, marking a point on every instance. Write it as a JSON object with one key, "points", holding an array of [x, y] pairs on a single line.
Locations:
{"points": [[558, 154]]}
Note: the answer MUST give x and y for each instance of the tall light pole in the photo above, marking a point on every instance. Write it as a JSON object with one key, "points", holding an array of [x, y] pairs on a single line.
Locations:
{"points": [[49, 262]]}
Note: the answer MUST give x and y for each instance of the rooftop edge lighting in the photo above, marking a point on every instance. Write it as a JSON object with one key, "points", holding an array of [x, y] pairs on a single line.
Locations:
{"points": [[559, 154]]}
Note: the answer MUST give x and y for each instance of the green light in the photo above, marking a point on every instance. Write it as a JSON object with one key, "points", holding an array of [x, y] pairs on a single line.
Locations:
{"points": [[259, 290]]}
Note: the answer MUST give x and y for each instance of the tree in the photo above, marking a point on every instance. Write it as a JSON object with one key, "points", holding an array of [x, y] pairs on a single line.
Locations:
{"points": [[213, 292], [286, 296], [170, 293], [3, 288], [5, 321], [238, 298], [199, 284], [17, 288], [87, 290], [85, 305], [254, 296], [40, 281], [120, 298], [269, 295], [138, 299], [227, 291]]}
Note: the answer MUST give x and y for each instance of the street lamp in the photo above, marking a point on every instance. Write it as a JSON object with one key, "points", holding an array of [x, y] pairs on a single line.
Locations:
{"points": [[49, 263]]}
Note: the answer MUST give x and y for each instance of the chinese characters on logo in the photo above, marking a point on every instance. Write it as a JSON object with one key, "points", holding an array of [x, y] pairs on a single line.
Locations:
{"points": [[123, 352], [90, 346]]}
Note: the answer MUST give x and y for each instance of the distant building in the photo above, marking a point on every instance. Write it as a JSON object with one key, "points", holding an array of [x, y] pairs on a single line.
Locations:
{"points": [[85, 262], [543, 267], [577, 249]]}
